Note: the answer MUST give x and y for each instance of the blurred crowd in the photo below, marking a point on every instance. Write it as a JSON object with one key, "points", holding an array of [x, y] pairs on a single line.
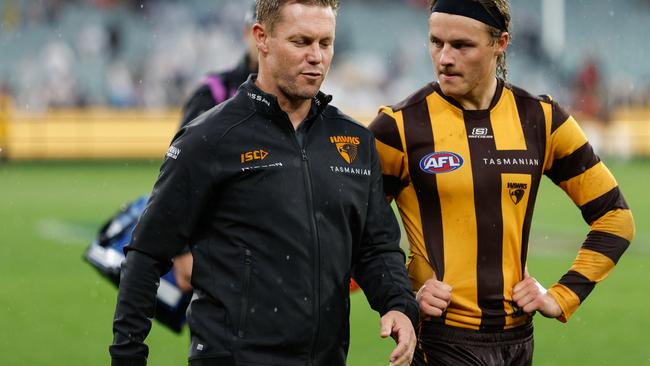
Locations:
{"points": [[151, 53]]}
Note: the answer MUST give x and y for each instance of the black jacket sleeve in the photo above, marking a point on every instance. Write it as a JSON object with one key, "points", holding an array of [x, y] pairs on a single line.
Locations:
{"points": [[380, 266], [139, 280], [183, 188], [200, 101]]}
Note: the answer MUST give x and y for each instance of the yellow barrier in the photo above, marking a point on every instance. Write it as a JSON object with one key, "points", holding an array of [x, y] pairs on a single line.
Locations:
{"points": [[5, 116], [139, 134], [93, 133]]}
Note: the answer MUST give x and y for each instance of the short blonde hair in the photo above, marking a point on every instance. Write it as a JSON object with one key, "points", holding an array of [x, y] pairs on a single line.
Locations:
{"points": [[268, 11]]}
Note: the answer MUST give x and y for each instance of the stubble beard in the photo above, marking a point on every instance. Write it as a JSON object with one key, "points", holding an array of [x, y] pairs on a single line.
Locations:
{"points": [[293, 92]]}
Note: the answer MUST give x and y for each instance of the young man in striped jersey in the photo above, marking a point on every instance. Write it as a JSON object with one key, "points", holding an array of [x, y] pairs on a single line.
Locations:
{"points": [[463, 157]]}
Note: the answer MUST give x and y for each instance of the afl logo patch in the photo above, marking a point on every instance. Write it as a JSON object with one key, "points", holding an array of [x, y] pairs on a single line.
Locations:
{"points": [[441, 162]]}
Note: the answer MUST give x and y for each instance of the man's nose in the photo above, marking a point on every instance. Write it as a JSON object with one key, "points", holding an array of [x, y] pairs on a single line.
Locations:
{"points": [[314, 54], [445, 57]]}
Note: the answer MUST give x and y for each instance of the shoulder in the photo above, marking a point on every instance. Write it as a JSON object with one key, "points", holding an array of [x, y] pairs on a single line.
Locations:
{"points": [[415, 98], [559, 114], [332, 113], [524, 94], [221, 119], [385, 120]]}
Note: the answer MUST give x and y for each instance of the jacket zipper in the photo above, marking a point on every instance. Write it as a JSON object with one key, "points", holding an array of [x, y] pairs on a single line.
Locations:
{"points": [[306, 173], [314, 228], [248, 260]]}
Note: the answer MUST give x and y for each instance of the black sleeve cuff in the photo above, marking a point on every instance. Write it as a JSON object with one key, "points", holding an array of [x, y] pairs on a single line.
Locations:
{"points": [[409, 308], [128, 362]]}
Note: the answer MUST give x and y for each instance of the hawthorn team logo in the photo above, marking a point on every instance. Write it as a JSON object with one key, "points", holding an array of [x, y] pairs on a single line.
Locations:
{"points": [[517, 191], [347, 146]]}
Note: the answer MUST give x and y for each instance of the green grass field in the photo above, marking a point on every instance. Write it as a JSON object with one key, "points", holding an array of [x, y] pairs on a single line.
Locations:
{"points": [[56, 310]]}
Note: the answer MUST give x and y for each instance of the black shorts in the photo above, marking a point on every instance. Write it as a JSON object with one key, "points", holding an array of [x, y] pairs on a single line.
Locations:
{"points": [[439, 344]]}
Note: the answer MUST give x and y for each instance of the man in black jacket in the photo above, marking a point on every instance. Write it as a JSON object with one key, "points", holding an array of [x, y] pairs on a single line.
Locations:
{"points": [[280, 197]]}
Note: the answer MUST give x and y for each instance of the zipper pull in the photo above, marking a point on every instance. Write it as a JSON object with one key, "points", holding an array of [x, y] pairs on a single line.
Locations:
{"points": [[304, 154], [247, 257]]}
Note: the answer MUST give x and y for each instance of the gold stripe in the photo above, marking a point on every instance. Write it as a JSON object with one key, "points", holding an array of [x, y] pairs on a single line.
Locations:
{"points": [[566, 139], [463, 319], [506, 125], [593, 265], [548, 120], [419, 268], [567, 300], [456, 191], [591, 184], [619, 222], [513, 211], [391, 160], [399, 121]]}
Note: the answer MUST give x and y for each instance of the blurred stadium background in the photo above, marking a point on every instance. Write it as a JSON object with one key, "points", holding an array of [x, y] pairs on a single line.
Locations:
{"points": [[89, 99]]}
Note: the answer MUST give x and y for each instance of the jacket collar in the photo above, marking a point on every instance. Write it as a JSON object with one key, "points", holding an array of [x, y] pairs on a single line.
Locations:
{"points": [[267, 104]]}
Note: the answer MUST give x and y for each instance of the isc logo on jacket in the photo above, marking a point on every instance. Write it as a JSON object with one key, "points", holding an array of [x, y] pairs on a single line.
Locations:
{"points": [[253, 155], [441, 162]]}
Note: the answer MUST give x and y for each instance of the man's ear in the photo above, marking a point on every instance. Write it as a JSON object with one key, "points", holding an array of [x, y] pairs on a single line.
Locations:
{"points": [[502, 43], [261, 37]]}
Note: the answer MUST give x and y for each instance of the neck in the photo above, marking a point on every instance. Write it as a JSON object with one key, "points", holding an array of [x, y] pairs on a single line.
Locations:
{"points": [[296, 108], [481, 97]]}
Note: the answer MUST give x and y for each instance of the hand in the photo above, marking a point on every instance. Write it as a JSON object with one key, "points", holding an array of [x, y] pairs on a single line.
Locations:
{"points": [[183, 271], [433, 297], [531, 296], [399, 326]]}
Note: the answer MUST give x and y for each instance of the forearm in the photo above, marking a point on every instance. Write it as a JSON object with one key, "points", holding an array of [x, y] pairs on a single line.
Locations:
{"points": [[608, 239]]}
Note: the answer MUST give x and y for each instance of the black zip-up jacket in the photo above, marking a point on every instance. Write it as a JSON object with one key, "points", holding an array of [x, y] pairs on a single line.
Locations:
{"points": [[276, 228]]}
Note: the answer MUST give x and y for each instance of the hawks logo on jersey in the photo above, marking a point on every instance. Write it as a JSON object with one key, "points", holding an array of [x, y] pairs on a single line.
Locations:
{"points": [[517, 191], [347, 147]]}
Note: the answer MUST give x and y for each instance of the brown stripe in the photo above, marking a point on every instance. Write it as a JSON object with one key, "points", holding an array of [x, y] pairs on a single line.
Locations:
{"points": [[419, 142], [487, 203], [385, 129], [610, 245], [573, 165], [578, 284], [559, 117], [601, 205], [533, 121]]}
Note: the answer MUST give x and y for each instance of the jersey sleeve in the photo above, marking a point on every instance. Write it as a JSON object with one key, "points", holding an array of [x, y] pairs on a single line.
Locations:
{"points": [[379, 268], [574, 166], [391, 152]]}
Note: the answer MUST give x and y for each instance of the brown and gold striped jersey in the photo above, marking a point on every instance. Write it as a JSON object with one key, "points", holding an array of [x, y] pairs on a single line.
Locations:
{"points": [[465, 183]]}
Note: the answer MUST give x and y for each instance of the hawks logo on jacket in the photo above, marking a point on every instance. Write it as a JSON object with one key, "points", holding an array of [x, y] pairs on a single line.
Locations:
{"points": [[347, 146]]}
